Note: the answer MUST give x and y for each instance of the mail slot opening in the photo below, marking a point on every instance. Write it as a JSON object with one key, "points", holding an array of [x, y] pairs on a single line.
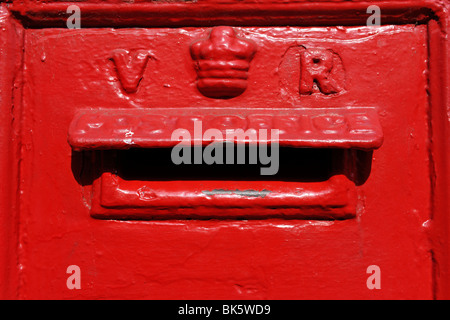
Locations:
{"points": [[320, 162], [145, 184], [288, 164]]}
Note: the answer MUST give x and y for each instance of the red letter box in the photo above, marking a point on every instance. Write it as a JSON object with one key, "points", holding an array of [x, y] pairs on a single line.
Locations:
{"points": [[224, 150]]}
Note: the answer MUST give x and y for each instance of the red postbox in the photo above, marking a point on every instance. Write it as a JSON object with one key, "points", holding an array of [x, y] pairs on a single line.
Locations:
{"points": [[224, 150]]}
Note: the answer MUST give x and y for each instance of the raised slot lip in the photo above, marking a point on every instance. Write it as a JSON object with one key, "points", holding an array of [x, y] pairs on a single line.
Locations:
{"points": [[331, 196], [334, 199]]}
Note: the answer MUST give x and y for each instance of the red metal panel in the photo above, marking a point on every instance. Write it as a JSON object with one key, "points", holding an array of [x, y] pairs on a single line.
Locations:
{"points": [[370, 87], [440, 152], [11, 46]]}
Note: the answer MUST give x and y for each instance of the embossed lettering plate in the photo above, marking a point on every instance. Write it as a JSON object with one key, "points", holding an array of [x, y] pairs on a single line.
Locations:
{"points": [[96, 78], [352, 127]]}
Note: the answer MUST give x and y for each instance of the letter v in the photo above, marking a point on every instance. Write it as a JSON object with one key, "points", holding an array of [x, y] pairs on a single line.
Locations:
{"points": [[130, 67]]}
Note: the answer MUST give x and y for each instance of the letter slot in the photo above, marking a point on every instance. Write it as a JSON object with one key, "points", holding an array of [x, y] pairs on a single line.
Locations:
{"points": [[323, 156]]}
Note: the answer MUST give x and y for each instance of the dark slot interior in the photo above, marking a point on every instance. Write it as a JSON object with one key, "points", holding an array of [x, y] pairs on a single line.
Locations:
{"points": [[295, 164]]}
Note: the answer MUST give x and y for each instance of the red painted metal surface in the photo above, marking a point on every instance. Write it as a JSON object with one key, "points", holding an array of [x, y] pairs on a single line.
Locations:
{"points": [[351, 127], [331, 199], [84, 110]]}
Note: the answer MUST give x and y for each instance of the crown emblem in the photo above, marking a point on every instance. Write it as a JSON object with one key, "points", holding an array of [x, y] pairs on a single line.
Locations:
{"points": [[222, 62]]}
